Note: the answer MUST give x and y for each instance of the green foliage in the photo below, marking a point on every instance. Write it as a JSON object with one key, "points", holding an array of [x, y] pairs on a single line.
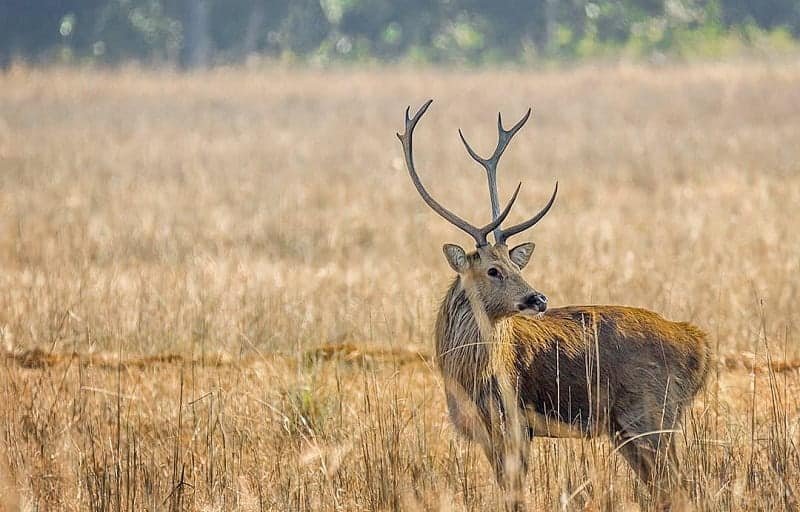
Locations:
{"points": [[122, 28], [457, 31], [305, 411]]}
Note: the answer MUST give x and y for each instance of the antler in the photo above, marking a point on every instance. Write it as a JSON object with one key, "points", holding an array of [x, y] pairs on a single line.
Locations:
{"points": [[479, 234], [490, 164], [501, 235]]}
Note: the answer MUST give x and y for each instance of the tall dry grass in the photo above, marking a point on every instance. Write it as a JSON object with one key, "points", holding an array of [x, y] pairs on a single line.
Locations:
{"points": [[226, 223]]}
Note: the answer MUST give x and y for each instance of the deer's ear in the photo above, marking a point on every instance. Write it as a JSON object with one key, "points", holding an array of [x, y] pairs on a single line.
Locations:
{"points": [[456, 257], [522, 253]]}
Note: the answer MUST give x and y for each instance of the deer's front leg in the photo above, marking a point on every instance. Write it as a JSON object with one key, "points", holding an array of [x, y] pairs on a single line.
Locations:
{"points": [[505, 442]]}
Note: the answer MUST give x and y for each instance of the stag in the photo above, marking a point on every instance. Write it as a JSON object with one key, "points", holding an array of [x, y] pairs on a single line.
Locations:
{"points": [[514, 368]]}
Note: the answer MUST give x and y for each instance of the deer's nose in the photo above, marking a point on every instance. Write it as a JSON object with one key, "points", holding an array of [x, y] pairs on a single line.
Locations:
{"points": [[535, 301]]}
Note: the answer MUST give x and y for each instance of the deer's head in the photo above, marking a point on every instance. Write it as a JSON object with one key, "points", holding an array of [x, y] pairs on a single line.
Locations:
{"points": [[491, 273]]}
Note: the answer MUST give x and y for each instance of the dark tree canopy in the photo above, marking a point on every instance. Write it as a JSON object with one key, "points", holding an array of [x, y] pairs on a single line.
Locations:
{"points": [[204, 32]]}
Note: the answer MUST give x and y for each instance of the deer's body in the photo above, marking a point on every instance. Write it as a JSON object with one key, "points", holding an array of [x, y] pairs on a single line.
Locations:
{"points": [[578, 370], [512, 368]]}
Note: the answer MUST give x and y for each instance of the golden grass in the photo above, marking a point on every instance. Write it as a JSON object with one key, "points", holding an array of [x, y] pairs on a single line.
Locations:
{"points": [[217, 229]]}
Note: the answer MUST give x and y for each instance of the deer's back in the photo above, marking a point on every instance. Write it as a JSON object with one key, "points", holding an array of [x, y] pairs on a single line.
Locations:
{"points": [[578, 359]]}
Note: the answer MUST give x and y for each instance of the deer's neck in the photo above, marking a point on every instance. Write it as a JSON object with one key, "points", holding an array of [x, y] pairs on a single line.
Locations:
{"points": [[469, 346]]}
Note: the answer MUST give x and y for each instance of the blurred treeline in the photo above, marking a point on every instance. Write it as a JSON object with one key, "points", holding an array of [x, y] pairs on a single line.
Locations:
{"points": [[204, 32]]}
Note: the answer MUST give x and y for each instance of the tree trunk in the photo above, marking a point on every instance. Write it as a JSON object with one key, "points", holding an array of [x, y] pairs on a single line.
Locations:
{"points": [[197, 43], [253, 30]]}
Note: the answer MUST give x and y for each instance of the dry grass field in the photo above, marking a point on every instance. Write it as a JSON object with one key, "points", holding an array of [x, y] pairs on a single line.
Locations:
{"points": [[217, 291]]}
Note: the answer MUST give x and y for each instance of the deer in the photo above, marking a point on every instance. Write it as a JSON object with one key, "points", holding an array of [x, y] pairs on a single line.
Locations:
{"points": [[514, 369]]}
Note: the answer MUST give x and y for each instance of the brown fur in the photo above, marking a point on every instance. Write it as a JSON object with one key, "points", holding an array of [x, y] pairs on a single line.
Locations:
{"points": [[572, 371]]}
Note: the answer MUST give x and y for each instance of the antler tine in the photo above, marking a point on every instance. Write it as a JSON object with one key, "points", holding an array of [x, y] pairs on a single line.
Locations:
{"points": [[490, 164], [504, 234], [479, 234]]}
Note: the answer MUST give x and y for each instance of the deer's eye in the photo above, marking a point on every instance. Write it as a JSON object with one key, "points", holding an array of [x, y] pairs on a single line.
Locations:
{"points": [[493, 272]]}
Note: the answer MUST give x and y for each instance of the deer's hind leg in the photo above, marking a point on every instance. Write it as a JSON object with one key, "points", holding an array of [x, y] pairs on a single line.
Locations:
{"points": [[648, 445]]}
